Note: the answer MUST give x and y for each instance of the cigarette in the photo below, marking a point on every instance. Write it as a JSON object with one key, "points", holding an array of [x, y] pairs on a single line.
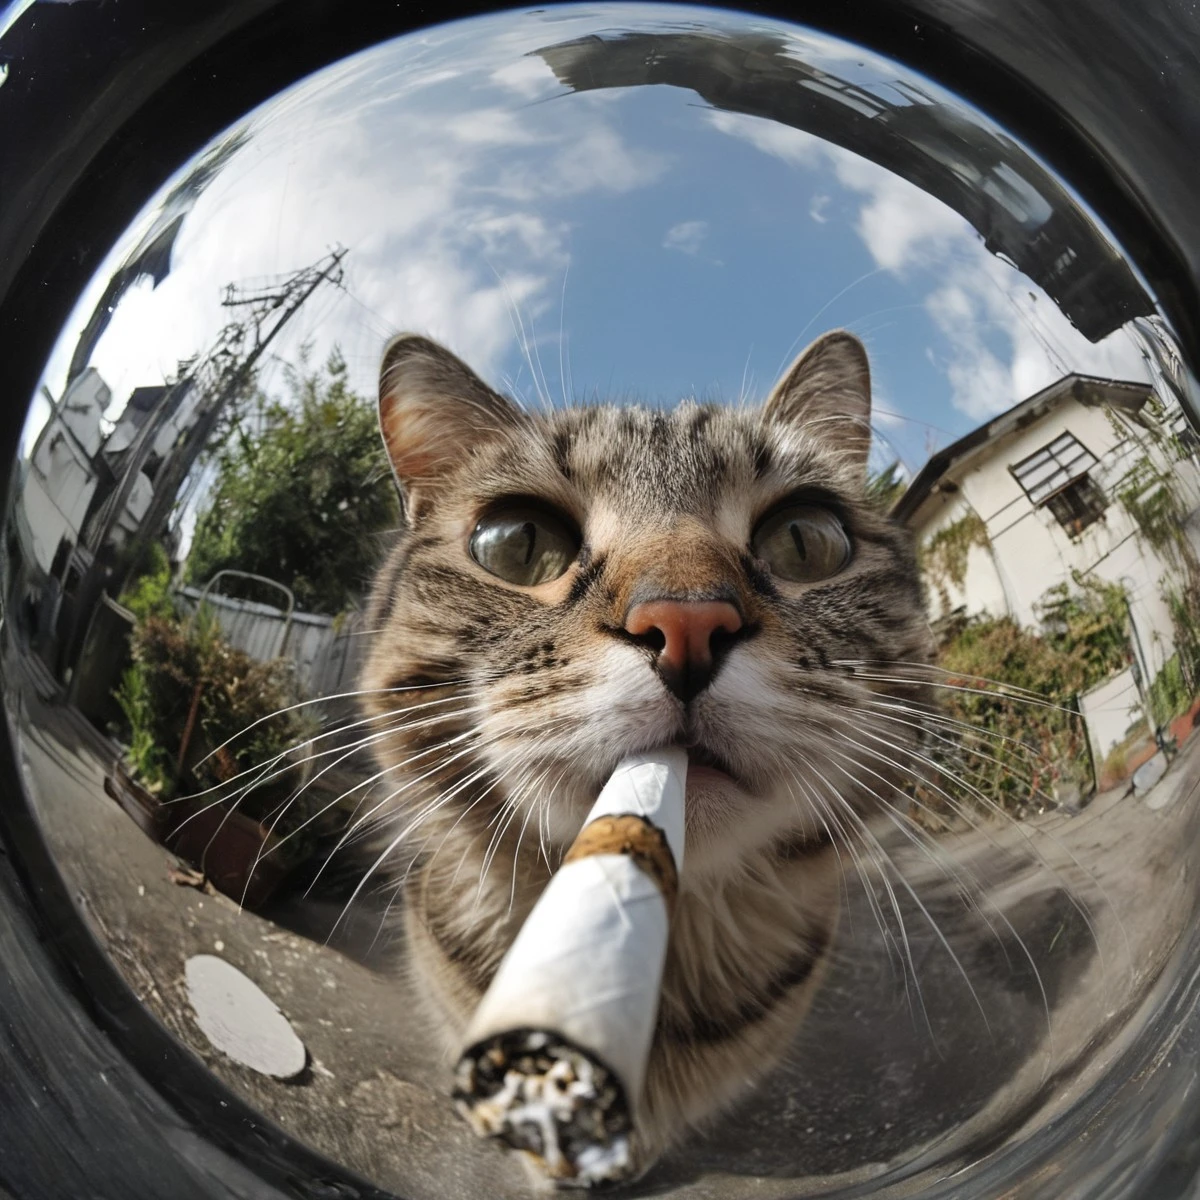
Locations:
{"points": [[557, 1050]]}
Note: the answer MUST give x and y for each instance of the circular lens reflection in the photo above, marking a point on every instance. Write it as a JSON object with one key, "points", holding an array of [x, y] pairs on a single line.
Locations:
{"points": [[327, 697]]}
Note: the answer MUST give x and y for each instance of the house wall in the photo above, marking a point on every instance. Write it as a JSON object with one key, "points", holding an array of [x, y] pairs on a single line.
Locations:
{"points": [[129, 520], [180, 420], [60, 479], [1031, 552], [81, 407], [982, 591]]}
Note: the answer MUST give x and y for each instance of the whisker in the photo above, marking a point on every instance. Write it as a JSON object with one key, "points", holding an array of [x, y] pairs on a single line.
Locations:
{"points": [[267, 772], [953, 744], [881, 859], [534, 808], [951, 871], [439, 802], [1033, 842], [1031, 699], [865, 831], [357, 692], [917, 665], [360, 822], [936, 717]]}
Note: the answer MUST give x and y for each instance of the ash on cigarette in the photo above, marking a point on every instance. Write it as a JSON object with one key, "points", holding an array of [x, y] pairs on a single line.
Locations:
{"points": [[540, 1094]]}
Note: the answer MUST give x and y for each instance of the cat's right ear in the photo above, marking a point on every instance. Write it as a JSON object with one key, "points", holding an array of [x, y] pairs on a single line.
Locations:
{"points": [[432, 410]]}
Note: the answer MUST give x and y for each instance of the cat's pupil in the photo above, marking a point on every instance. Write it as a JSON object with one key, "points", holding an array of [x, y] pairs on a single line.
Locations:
{"points": [[803, 542], [530, 532]]}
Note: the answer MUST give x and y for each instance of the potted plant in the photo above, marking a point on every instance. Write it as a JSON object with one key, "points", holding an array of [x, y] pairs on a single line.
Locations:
{"points": [[217, 756]]}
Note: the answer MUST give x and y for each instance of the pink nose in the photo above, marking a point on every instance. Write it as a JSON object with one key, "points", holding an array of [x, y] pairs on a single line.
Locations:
{"points": [[688, 637]]}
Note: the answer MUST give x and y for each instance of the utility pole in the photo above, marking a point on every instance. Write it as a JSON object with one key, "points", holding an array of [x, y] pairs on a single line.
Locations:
{"points": [[216, 378], [224, 373]]}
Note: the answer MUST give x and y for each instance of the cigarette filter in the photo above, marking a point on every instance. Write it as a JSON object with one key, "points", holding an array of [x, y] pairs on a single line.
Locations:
{"points": [[557, 1050]]}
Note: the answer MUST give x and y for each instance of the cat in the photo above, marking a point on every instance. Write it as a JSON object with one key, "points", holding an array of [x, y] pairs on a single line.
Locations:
{"points": [[572, 586]]}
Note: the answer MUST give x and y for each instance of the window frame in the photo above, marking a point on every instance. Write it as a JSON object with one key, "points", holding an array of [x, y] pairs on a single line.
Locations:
{"points": [[1073, 464]]}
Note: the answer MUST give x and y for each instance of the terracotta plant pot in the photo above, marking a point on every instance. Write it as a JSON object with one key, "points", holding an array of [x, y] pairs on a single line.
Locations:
{"points": [[234, 852], [155, 818], [237, 854]]}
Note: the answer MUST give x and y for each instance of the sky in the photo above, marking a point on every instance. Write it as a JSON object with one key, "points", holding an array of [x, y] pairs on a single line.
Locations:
{"points": [[629, 244]]}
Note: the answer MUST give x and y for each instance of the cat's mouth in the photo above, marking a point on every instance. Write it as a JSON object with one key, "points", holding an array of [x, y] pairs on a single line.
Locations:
{"points": [[703, 758]]}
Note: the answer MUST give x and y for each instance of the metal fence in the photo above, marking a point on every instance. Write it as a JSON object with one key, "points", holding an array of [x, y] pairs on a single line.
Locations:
{"points": [[326, 651]]}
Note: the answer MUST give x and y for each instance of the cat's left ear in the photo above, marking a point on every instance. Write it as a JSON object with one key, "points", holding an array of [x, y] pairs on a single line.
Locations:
{"points": [[433, 410], [826, 393]]}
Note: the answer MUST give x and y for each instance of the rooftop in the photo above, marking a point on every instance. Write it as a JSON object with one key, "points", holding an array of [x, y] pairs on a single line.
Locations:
{"points": [[1088, 390]]}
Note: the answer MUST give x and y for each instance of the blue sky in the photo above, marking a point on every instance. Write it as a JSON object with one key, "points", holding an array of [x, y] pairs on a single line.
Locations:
{"points": [[680, 250]]}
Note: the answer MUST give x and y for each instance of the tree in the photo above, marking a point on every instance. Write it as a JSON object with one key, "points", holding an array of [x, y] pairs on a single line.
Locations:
{"points": [[885, 487], [302, 491]]}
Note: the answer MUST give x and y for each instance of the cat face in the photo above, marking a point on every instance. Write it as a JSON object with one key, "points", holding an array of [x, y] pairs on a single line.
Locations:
{"points": [[575, 586]]}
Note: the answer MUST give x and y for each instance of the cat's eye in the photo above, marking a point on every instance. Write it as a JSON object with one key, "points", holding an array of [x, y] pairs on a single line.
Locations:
{"points": [[803, 543], [524, 544]]}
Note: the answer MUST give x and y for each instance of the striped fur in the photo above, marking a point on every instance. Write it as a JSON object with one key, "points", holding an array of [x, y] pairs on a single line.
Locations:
{"points": [[490, 798]]}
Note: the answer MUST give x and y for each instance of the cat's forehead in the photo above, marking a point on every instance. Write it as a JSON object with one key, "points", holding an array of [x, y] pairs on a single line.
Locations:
{"points": [[690, 452], [690, 458]]}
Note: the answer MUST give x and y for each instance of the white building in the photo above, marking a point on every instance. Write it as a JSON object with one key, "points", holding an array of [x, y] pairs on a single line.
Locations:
{"points": [[82, 496], [61, 475], [144, 437], [1039, 496]]}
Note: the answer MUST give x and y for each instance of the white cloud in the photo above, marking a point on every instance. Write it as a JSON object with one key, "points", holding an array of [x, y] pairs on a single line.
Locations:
{"points": [[1039, 343], [446, 200], [818, 208], [792, 145], [901, 225], [529, 233], [687, 237], [1007, 339], [528, 77], [489, 127], [597, 159]]}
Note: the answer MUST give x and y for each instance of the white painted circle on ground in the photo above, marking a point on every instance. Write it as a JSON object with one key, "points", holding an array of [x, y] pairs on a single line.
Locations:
{"points": [[241, 1020]]}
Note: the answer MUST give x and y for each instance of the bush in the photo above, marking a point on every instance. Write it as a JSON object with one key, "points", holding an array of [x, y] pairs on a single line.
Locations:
{"points": [[201, 712], [1015, 739], [149, 592], [1169, 693]]}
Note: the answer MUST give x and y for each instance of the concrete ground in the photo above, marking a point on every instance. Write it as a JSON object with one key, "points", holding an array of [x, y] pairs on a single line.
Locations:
{"points": [[1019, 998]]}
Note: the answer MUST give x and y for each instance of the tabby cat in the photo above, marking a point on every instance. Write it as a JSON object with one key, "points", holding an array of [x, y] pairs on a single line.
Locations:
{"points": [[572, 586]]}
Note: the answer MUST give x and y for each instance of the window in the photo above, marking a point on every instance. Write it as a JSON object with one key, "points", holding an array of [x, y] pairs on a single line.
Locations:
{"points": [[1057, 477], [1078, 504]]}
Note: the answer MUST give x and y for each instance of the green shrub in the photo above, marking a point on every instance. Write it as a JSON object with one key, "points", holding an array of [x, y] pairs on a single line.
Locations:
{"points": [[149, 591], [203, 713], [1019, 737], [305, 498], [1169, 693]]}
